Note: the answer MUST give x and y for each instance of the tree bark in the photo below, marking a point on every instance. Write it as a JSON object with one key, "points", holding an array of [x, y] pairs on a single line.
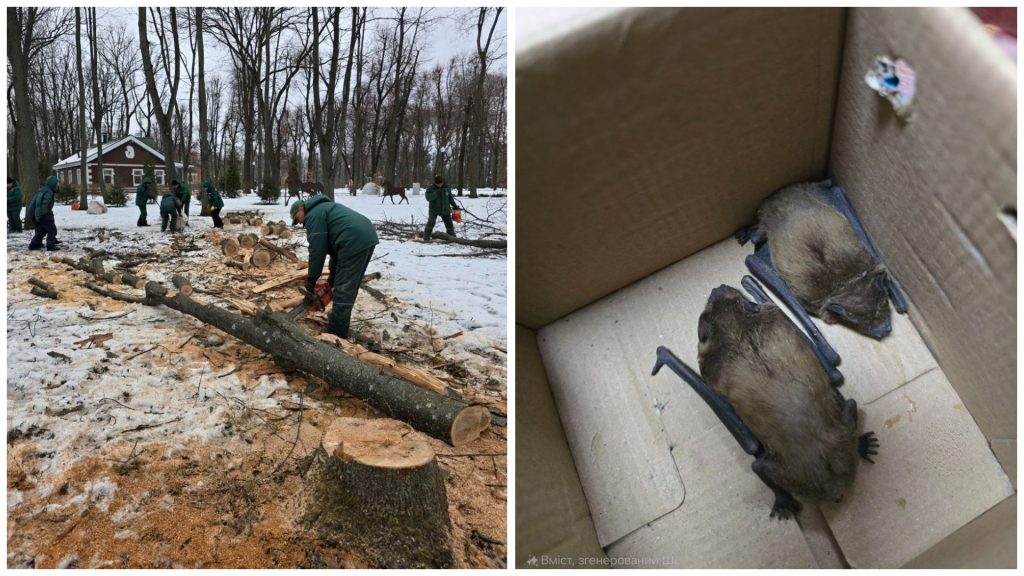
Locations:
{"points": [[205, 156], [468, 242], [291, 346], [20, 29], [83, 191], [97, 120], [375, 487], [162, 118]]}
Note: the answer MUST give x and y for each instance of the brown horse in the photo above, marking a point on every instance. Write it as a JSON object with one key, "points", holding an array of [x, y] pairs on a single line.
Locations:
{"points": [[390, 190]]}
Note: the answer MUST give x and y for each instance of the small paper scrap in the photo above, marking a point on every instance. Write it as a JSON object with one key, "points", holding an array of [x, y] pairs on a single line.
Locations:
{"points": [[894, 81]]}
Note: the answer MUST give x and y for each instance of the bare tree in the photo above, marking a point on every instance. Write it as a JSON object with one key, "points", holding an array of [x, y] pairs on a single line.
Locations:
{"points": [[324, 116], [483, 48], [205, 153], [29, 31], [97, 119], [83, 194], [163, 117]]}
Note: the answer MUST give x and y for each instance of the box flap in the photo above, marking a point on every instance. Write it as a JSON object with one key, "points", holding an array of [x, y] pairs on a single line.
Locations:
{"points": [[930, 191], [634, 132], [552, 518]]}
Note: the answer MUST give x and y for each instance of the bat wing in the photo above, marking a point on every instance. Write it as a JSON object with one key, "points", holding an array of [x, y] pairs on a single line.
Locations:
{"points": [[836, 197], [760, 264], [725, 412]]}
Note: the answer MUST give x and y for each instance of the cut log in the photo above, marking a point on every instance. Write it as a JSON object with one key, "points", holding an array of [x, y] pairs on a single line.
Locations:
{"points": [[182, 284], [255, 221], [247, 240], [375, 487], [284, 233], [130, 279], [270, 245], [111, 277], [42, 289], [234, 220], [230, 247], [266, 229], [262, 258], [409, 374], [467, 242], [292, 347]]}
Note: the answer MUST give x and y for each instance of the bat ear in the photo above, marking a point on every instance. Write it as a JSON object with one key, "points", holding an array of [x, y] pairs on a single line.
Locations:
{"points": [[751, 307]]}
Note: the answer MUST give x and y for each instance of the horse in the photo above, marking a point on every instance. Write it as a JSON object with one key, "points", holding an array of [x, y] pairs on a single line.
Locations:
{"points": [[390, 190]]}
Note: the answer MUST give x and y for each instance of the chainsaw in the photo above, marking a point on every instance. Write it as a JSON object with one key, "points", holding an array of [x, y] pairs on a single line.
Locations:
{"points": [[321, 296]]}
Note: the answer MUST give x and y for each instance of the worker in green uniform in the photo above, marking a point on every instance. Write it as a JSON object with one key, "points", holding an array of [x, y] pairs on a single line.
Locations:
{"points": [[13, 205], [441, 203], [183, 194], [142, 198], [216, 203], [348, 238], [170, 207]]}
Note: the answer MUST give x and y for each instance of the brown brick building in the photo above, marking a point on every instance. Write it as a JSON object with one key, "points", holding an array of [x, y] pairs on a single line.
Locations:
{"points": [[123, 161]]}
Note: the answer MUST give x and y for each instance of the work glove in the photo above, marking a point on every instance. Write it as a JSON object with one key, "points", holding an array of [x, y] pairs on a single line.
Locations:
{"points": [[310, 287]]}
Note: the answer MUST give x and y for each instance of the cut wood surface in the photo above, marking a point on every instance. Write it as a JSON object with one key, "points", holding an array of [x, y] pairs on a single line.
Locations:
{"points": [[230, 246], [182, 284], [293, 347], [415, 376], [376, 486], [285, 233], [262, 258], [270, 245], [247, 240]]}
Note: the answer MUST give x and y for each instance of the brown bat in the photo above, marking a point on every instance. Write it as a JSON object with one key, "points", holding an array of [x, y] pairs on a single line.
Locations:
{"points": [[763, 379], [813, 252]]}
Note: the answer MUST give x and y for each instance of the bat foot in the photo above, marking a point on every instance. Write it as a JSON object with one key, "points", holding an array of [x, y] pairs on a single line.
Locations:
{"points": [[867, 445], [785, 507], [750, 234]]}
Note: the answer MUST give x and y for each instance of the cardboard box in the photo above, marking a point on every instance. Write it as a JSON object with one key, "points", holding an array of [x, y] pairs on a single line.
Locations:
{"points": [[649, 136]]}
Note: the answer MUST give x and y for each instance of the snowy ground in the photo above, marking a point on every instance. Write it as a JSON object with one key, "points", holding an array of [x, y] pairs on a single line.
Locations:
{"points": [[157, 388]]}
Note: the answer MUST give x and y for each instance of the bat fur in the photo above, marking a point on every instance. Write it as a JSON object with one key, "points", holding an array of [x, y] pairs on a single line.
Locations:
{"points": [[755, 359], [818, 254]]}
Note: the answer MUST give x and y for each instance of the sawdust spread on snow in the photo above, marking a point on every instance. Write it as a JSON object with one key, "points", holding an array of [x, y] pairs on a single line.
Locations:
{"points": [[158, 447]]}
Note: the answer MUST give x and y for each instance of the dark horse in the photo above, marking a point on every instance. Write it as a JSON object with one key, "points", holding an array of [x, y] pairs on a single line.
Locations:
{"points": [[390, 190], [296, 189]]}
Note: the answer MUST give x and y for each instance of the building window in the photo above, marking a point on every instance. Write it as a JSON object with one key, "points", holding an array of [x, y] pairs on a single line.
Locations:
{"points": [[108, 176], [137, 175], [159, 177]]}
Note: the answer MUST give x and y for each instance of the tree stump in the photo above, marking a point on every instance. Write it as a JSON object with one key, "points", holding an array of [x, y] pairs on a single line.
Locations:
{"points": [[230, 247], [375, 486]]}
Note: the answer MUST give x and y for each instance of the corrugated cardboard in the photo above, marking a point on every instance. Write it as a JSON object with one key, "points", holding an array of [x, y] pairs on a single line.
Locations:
{"points": [[627, 169], [552, 518], [634, 132], [929, 191], [599, 359]]}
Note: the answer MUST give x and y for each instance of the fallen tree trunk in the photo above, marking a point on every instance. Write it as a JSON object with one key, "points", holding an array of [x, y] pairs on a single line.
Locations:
{"points": [[375, 487], [467, 242], [386, 363], [130, 279], [292, 347]]}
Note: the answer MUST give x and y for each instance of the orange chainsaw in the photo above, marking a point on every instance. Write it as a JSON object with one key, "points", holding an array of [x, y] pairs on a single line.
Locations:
{"points": [[321, 296]]}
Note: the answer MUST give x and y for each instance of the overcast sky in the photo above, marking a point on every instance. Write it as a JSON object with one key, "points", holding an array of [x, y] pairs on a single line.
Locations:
{"points": [[451, 33]]}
